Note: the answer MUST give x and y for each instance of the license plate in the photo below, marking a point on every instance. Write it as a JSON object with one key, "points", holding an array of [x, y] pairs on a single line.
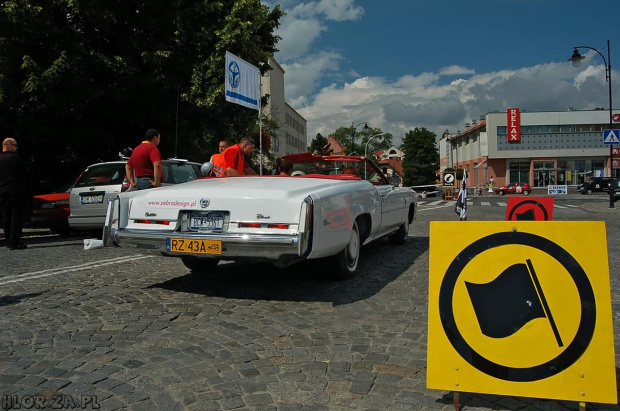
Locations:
{"points": [[211, 221], [47, 205], [182, 245], [94, 199]]}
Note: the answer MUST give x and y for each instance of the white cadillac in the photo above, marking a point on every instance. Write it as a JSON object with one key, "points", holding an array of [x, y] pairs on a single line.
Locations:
{"points": [[322, 213]]}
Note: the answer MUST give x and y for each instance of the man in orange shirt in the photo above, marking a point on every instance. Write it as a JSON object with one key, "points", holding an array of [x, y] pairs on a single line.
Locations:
{"points": [[233, 161], [145, 162]]}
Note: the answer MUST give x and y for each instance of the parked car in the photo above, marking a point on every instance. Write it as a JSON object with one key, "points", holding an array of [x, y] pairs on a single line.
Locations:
{"points": [[616, 190], [514, 188], [597, 184], [52, 210], [320, 213], [101, 182]]}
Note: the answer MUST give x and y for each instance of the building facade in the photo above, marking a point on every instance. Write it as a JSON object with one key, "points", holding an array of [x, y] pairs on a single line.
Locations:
{"points": [[291, 137], [540, 148]]}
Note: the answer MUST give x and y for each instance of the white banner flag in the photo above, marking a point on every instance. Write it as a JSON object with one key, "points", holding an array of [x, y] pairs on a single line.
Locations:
{"points": [[242, 82]]}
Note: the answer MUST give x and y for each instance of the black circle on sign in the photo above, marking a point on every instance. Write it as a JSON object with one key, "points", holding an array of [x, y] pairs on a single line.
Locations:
{"points": [[566, 358], [536, 203]]}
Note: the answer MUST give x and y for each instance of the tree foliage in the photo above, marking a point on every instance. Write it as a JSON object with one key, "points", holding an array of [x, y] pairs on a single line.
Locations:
{"points": [[355, 141], [80, 79], [320, 145], [421, 157]]}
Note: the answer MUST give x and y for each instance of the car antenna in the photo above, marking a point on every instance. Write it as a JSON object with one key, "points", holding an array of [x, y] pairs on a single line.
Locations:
{"points": [[176, 126]]}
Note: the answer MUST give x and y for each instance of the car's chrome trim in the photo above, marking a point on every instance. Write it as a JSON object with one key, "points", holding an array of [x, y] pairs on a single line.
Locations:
{"points": [[269, 246]]}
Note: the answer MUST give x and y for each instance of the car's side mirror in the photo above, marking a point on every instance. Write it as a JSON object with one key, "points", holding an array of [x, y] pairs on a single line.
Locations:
{"points": [[206, 168]]}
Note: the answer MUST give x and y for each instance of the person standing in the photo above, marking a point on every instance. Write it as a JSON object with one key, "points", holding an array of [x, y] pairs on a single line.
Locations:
{"points": [[145, 162], [12, 194], [234, 161], [223, 145], [491, 185]]}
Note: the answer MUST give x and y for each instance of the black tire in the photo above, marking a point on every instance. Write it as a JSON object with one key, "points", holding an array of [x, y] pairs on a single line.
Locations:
{"points": [[200, 265], [526, 193], [346, 260], [501, 192], [400, 236]]}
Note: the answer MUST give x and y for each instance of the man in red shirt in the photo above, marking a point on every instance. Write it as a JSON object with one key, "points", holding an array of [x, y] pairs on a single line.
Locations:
{"points": [[233, 161], [145, 162]]}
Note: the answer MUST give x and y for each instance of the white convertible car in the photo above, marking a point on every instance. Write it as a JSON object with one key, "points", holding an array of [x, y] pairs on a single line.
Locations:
{"points": [[321, 213]]}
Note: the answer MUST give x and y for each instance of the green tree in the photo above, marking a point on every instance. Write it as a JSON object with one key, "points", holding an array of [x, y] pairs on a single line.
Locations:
{"points": [[355, 141], [421, 157], [320, 145], [80, 79]]}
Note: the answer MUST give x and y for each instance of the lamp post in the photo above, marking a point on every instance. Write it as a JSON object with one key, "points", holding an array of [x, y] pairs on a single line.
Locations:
{"points": [[576, 60], [353, 132], [366, 149]]}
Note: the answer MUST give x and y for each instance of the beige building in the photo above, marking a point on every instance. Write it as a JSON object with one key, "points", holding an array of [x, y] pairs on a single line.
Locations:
{"points": [[291, 137]]}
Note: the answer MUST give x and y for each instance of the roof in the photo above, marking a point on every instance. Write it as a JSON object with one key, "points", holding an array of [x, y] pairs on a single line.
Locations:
{"points": [[334, 146], [394, 163]]}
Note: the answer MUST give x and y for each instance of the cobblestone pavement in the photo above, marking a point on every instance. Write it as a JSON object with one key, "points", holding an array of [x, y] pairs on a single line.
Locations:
{"points": [[140, 332]]}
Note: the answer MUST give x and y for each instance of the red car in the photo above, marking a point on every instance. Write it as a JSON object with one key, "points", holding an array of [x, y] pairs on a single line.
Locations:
{"points": [[52, 210], [514, 188]]}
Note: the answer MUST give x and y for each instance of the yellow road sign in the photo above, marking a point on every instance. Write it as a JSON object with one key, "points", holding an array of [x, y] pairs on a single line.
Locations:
{"points": [[521, 308]]}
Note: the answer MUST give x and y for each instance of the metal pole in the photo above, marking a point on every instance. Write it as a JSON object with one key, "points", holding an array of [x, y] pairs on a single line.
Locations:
{"points": [[611, 126]]}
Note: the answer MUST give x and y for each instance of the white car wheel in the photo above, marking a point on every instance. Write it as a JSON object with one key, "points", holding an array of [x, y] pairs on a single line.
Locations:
{"points": [[347, 259], [400, 236], [200, 265]]}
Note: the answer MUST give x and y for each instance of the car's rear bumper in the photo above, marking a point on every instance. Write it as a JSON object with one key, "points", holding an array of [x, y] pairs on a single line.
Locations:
{"points": [[234, 246], [86, 223]]}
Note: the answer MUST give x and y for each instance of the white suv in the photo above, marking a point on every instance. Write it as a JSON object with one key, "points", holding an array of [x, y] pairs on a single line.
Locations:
{"points": [[100, 182]]}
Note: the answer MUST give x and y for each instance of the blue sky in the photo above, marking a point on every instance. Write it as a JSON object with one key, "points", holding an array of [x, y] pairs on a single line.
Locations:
{"points": [[401, 64]]}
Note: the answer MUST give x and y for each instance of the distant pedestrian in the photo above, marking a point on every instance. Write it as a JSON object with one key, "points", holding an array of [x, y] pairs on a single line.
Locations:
{"points": [[144, 168], [12, 194]]}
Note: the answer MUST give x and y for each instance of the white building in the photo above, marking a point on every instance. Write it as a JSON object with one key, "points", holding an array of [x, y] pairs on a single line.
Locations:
{"points": [[291, 137], [541, 148]]}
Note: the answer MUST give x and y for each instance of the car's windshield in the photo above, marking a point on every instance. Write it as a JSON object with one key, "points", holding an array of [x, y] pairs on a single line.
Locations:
{"points": [[338, 165], [102, 175]]}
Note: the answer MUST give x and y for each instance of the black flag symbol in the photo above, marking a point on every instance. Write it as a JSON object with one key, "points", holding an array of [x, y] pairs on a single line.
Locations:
{"points": [[526, 215], [504, 305]]}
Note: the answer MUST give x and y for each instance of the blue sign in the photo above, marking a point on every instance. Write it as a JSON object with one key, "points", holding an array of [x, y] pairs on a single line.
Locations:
{"points": [[611, 136]]}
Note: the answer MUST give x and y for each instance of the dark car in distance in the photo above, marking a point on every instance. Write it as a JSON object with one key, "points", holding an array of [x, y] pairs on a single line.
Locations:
{"points": [[596, 184], [52, 210]]}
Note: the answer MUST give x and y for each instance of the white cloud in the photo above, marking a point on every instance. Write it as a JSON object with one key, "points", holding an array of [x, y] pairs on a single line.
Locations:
{"points": [[445, 99], [420, 101]]}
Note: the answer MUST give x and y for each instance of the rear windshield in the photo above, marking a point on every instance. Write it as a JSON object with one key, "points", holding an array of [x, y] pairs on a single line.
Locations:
{"points": [[102, 175], [176, 173]]}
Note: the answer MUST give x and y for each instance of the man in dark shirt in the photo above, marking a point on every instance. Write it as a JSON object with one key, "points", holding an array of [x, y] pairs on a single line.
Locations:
{"points": [[12, 194]]}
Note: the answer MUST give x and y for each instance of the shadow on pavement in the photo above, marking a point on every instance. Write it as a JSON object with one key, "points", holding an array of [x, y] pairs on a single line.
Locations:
{"points": [[380, 264], [14, 299]]}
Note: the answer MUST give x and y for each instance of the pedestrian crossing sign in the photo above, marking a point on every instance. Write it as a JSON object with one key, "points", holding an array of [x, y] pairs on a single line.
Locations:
{"points": [[611, 136]]}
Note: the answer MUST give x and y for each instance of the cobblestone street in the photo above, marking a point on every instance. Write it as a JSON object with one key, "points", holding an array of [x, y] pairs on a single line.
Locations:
{"points": [[140, 332]]}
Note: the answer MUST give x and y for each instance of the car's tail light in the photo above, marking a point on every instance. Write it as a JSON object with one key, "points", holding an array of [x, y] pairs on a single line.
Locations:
{"points": [[125, 186], [306, 225], [163, 222], [263, 225]]}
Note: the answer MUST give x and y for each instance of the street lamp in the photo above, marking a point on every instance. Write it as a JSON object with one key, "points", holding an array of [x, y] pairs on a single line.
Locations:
{"points": [[366, 149], [576, 60], [353, 132]]}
